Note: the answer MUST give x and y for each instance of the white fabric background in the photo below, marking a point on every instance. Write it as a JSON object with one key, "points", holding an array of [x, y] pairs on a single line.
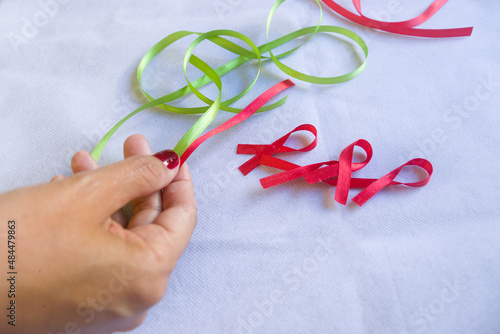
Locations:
{"points": [[420, 260]]}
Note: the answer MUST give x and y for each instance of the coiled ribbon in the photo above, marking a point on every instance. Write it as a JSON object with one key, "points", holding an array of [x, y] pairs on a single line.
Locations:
{"points": [[333, 172], [214, 75]]}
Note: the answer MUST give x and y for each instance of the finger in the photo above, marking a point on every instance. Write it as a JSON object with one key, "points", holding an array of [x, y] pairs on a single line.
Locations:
{"points": [[58, 178], [109, 188], [178, 219], [82, 161], [144, 209]]}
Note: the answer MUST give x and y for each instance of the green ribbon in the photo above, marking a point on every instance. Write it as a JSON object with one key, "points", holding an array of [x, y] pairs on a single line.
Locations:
{"points": [[214, 75]]}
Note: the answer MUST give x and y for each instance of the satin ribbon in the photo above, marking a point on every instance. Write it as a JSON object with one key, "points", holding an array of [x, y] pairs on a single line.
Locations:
{"points": [[244, 114], [214, 75], [402, 27], [335, 173], [276, 147]]}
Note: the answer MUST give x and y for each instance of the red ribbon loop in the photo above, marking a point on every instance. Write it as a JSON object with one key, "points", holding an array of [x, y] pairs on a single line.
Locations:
{"points": [[343, 169], [277, 147], [402, 27], [388, 180]]}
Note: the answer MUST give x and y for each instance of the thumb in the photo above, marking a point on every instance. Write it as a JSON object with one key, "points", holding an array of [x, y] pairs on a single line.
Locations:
{"points": [[108, 189]]}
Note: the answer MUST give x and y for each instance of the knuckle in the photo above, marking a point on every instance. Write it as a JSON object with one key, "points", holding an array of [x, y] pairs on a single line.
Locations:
{"points": [[86, 184], [149, 169]]}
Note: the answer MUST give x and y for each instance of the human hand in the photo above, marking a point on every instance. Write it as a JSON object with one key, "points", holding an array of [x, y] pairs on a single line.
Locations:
{"points": [[81, 267]]}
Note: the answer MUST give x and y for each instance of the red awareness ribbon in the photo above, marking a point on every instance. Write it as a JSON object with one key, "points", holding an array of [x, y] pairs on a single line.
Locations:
{"points": [[276, 147], [402, 27], [334, 173], [241, 116]]}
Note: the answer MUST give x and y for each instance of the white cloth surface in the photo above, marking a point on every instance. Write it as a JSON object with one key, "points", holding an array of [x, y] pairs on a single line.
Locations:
{"points": [[287, 259]]}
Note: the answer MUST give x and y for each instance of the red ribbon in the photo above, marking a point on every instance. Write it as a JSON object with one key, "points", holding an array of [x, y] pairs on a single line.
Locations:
{"points": [[402, 27], [277, 147], [241, 116], [335, 173]]}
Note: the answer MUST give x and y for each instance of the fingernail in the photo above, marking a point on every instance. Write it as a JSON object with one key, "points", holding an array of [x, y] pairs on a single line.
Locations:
{"points": [[170, 158]]}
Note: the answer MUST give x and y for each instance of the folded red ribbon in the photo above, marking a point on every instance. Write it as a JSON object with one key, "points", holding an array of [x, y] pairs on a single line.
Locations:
{"points": [[402, 27], [335, 173]]}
